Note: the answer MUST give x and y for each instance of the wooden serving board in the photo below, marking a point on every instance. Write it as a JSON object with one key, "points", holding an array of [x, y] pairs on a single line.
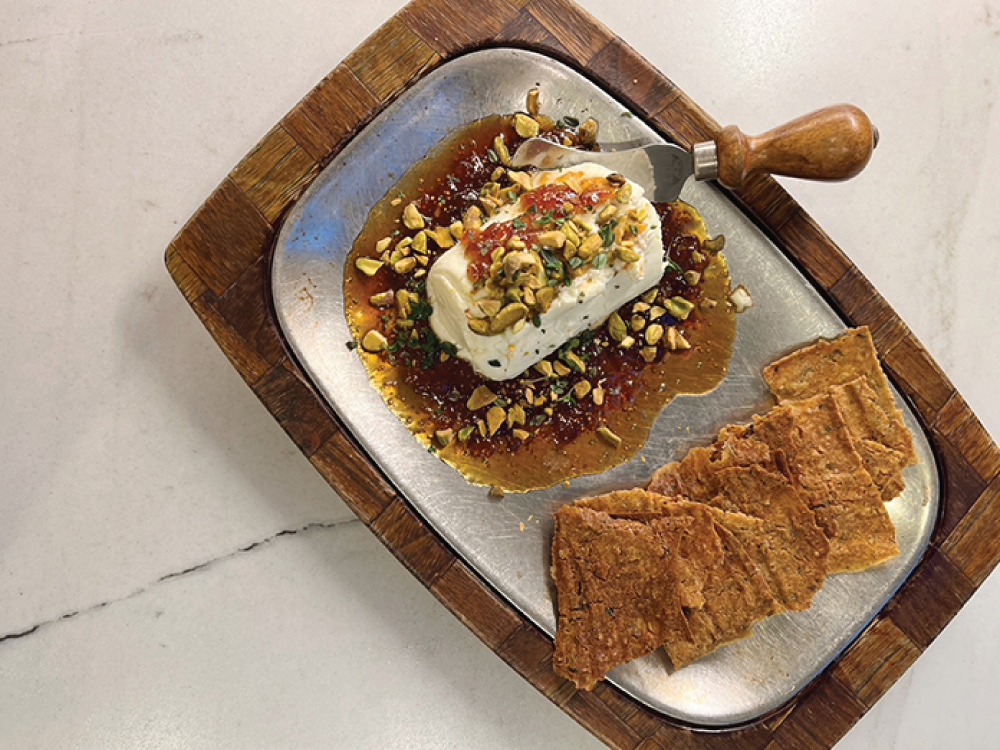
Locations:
{"points": [[221, 262]]}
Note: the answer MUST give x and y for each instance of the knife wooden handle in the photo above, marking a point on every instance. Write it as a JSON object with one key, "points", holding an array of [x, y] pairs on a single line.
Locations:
{"points": [[833, 143]]}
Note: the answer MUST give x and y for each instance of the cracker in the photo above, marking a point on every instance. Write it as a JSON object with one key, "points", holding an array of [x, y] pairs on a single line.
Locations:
{"points": [[812, 370], [779, 532], [693, 477], [884, 443], [832, 480], [720, 588], [617, 592], [734, 592]]}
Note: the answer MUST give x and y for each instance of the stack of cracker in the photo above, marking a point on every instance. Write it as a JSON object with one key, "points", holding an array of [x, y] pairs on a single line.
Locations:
{"points": [[739, 530]]}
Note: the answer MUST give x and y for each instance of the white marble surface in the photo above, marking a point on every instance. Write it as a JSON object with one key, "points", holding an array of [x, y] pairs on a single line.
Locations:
{"points": [[173, 573]]}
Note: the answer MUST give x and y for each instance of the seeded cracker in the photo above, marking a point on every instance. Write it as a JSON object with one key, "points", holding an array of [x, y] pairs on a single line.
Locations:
{"points": [[779, 532], [734, 592], [881, 441], [812, 370], [616, 590], [694, 476], [832, 479]]}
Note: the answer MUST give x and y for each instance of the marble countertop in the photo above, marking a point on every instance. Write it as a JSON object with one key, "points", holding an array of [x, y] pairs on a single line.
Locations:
{"points": [[173, 573]]}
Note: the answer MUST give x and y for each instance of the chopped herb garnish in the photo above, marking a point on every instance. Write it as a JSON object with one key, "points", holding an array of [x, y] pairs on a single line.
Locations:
{"points": [[535, 321], [552, 263], [600, 261], [352, 345], [494, 363], [420, 310], [518, 224], [672, 266], [575, 262], [571, 121], [537, 420], [492, 155], [449, 348], [607, 233]]}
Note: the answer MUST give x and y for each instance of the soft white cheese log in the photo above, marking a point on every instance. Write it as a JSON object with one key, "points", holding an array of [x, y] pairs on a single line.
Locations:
{"points": [[586, 303]]}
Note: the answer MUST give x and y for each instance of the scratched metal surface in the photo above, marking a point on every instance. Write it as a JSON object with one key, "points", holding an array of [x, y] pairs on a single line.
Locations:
{"points": [[507, 540]]}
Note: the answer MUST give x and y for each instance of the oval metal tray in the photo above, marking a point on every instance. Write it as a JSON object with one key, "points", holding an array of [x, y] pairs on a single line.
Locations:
{"points": [[507, 540]]}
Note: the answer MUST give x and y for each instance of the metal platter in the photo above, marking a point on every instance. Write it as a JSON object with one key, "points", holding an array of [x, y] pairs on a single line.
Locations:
{"points": [[507, 540]]}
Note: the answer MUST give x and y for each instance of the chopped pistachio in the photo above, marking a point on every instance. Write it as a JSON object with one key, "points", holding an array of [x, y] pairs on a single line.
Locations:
{"points": [[616, 327], [403, 303], [382, 299], [480, 397], [637, 323], [588, 131], [490, 307], [598, 395], [653, 334], [692, 277], [520, 178], [516, 414], [714, 245], [575, 363], [526, 127], [656, 312], [422, 259], [676, 340], [465, 432], [609, 437], [405, 265], [627, 254], [419, 244], [545, 123], [480, 326], [519, 326], [532, 103], [696, 256], [473, 218], [412, 218], [544, 368], [640, 307], [368, 266], [607, 214], [679, 307], [382, 245], [373, 341], [495, 417], [508, 316], [544, 296], [624, 193], [590, 246], [520, 434], [456, 229], [561, 369], [626, 342], [552, 239], [481, 427], [529, 394], [581, 389], [501, 150], [444, 437]]}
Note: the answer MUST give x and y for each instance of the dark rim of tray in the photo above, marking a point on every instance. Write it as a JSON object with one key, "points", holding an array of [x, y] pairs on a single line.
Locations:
{"points": [[221, 262]]}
